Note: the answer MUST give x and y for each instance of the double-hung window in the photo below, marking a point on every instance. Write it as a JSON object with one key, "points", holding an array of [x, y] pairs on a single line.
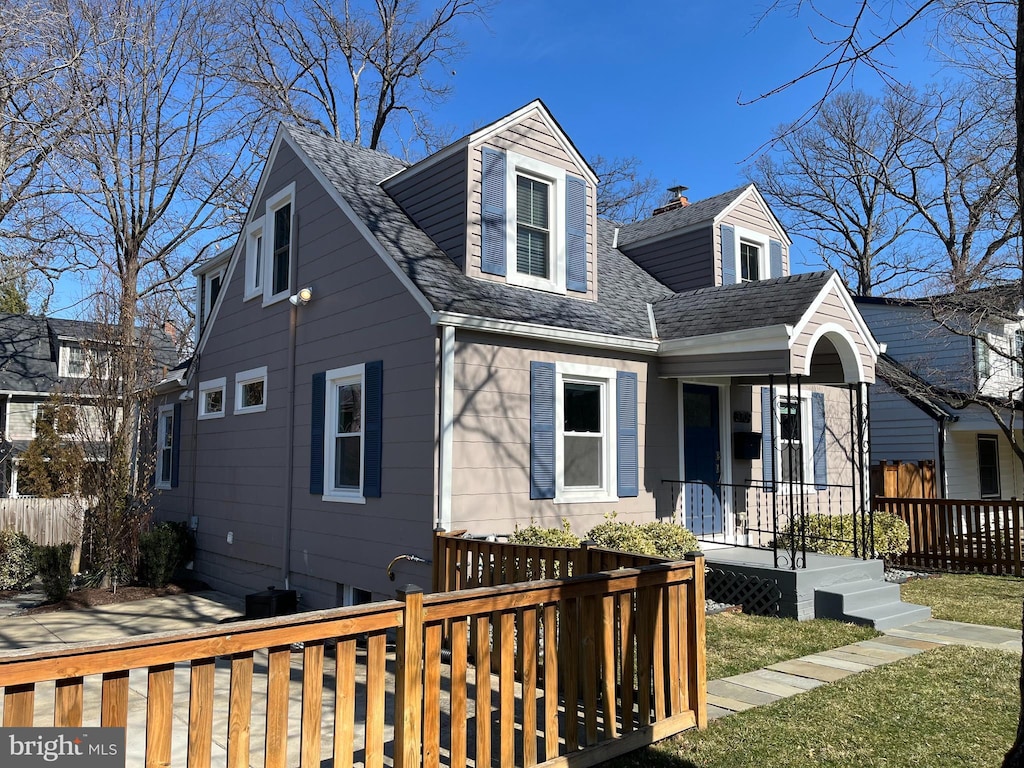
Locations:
{"points": [[584, 417], [750, 262], [794, 439], [345, 437], [254, 248], [1017, 352], [165, 446], [275, 247], [346, 433], [533, 227], [988, 466]]}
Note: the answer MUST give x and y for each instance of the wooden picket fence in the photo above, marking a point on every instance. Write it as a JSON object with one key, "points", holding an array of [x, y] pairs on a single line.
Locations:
{"points": [[903, 479], [588, 668], [46, 521], [982, 536]]}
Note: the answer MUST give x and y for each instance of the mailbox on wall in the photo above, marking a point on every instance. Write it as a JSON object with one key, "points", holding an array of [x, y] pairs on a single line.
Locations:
{"points": [[746, 446]]}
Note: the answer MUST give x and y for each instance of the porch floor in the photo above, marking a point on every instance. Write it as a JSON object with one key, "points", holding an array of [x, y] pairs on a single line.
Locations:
{"points": [[843, 588]]}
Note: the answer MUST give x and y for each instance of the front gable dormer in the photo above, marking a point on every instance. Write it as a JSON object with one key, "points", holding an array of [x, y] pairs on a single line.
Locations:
{"points": [[513, 202], [730, 238]]}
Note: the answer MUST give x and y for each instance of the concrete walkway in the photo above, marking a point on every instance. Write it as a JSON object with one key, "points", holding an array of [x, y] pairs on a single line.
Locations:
{"points": [[789, 678]]}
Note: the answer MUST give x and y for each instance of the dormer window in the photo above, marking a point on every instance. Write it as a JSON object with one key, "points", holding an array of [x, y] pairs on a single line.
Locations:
{"points": [[750, 262], [212, 282], [270, 247], [79, 362], [533, 223], [533, 227]]}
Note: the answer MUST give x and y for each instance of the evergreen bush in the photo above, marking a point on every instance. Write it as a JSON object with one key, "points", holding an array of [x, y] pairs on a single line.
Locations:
{"points": [[54, 564], [834, 535], [162, 550], [535, 536], [17, 564]]}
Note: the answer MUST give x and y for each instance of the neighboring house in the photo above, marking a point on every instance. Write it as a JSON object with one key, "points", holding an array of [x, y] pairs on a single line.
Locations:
{"points": [[477, 350], [918, 410], [41, 357]]}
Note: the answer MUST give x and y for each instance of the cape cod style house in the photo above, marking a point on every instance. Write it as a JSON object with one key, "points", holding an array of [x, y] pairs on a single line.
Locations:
{"points": [[462, 344]]}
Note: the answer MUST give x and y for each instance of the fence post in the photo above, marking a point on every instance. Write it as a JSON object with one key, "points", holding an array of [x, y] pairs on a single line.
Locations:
{"points": [[696, 672], [409, 678], [581, 558]]}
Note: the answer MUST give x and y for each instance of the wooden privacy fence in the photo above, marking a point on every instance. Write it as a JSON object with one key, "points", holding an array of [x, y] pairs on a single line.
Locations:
{"points": [[960, 535], [589, 668], [46, 521], [904, 479]]}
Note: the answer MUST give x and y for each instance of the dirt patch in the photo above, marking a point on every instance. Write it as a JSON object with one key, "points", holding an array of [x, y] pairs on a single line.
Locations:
{"points": [[90, 597]]}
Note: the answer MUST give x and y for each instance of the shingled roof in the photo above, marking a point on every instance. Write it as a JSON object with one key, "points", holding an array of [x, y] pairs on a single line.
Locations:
{"points": [[624, 288], [695, 213], [779, 301]]}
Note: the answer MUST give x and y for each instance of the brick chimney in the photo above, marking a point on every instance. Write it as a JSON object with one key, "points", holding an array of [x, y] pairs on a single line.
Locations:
{"points": [[676, 200]]}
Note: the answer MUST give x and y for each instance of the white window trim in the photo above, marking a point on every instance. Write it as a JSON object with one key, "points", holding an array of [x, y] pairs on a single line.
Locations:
{"points": [[806, 445], [335, 377], [254, 279], [212, 386], [589, 374], [161, 438], [274, 202], [516, 164], [32, 424], [759, 239], [247, 377]]}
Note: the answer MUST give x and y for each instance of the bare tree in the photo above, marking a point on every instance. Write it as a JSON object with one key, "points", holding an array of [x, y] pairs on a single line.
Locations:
{"points": [[858, 43], [39, 113], [350, 68], [624, 194], [830, 180]]}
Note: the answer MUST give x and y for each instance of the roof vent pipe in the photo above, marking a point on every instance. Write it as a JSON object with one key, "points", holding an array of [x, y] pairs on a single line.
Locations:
{"points": [[615, 238]]}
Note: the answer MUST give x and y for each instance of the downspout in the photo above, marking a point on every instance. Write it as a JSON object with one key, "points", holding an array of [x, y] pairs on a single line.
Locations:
{"points": [[941, 468], [286, 545], [446, 427]]}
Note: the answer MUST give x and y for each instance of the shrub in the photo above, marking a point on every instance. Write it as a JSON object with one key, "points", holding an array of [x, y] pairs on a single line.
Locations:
{"points": [[162, 550], [535, 536], [892, 536], [671, 540], [54, 563], [17, 565], [658, 539]]}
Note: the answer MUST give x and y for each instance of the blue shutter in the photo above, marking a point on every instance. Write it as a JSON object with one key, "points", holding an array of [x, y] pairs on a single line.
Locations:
{"points": [[775, 258], [492, 215], [316, 433], [767, 449], [175, 444], [575, 234], [373, 430], [628, 459], [818, 429], [728, 255], [542, 430]]}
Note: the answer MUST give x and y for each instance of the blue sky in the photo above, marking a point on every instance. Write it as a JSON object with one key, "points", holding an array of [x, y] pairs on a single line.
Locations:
{"points": [[655, 79]]}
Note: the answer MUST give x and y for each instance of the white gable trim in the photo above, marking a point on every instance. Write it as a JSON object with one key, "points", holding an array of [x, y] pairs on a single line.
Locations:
{"points": [[751, 189], [835, 286], [848, 354], [363, 230], [535, 107]]}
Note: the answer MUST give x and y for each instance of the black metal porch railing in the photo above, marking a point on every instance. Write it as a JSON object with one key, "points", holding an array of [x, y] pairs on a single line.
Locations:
{"points": [[789, 519]]}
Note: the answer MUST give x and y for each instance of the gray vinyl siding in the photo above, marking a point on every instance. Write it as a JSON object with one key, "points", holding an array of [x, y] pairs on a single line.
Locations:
{"points": [[962, 477], [491, 439], [749, 214], [436, 199], [684, 262], [360, 312], [899, 430], [918, 342]]}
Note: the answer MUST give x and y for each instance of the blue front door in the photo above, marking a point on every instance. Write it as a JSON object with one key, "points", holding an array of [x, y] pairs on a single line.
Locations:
{"points": [[702, 460]]}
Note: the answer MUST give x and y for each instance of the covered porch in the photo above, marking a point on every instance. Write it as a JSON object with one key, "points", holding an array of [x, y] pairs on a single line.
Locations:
{"points": [[772, 428]]}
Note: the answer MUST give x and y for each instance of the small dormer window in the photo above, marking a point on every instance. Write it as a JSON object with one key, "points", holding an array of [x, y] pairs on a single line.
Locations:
{"points": [[79, 362], [750, 262], [533, 227]]}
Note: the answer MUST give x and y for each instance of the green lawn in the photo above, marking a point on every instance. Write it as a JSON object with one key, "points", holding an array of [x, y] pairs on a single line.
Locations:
{"points": [[973, 598], [738, 643], [949, 707]]}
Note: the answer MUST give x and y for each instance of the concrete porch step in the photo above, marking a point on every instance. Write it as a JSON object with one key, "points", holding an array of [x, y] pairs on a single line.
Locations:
{"points": [[874, 603]]}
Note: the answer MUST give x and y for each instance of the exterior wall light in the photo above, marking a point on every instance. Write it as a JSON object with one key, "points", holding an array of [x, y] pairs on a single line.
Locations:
{"points": [[302, 297]]}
